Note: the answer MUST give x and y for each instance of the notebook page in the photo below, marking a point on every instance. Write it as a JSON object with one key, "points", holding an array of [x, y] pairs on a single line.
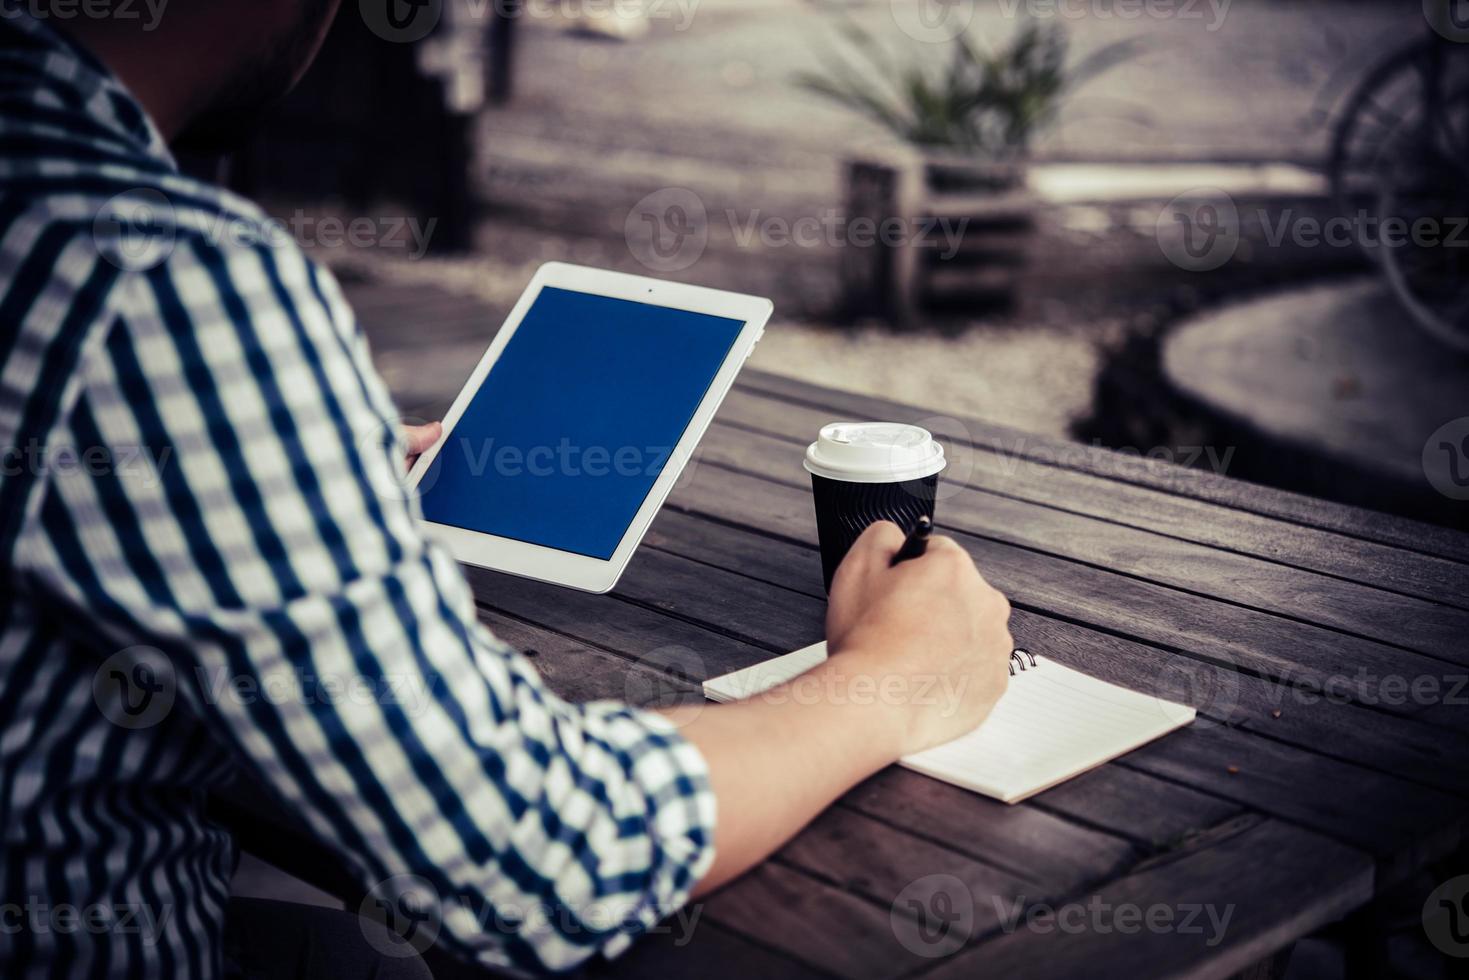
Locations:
{"points": [[1053, 723]]}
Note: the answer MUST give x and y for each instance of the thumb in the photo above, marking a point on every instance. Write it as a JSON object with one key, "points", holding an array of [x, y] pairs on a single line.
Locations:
{"points": [[420, 437]]}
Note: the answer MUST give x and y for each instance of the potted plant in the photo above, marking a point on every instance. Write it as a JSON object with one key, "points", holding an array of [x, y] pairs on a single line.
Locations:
{"points": [[968, 123]]}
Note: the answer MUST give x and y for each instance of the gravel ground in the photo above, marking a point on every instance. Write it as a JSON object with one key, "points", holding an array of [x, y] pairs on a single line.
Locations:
{"points": [[1034, 377]]}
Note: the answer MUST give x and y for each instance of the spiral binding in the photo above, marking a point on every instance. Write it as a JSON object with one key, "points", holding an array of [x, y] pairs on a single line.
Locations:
{"points": [[1018, 656]]}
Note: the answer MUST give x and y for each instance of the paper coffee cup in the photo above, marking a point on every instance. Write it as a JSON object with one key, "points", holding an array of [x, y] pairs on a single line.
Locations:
{"points": [[863, 472]]}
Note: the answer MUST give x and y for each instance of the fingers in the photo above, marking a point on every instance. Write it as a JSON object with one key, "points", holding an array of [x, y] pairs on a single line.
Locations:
{"points": [[942, 544], [882, 536], [420, 437]]}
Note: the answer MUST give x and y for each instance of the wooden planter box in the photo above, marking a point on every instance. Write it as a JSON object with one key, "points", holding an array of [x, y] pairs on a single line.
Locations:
{"points": [[966, 235]]}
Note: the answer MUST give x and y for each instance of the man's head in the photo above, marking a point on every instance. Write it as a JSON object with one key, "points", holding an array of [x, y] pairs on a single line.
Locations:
{"points": [[206, 70]]}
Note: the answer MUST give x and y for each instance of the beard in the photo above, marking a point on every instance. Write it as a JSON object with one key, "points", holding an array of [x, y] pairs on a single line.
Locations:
{"points": [[244, 102]]}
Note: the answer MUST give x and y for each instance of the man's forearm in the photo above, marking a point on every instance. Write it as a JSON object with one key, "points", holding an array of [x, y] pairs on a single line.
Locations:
{"points": [[778, 760]]}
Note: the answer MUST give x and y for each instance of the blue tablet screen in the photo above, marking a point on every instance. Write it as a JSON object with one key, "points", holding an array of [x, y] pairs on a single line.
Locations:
{"points": [[563, 441]]}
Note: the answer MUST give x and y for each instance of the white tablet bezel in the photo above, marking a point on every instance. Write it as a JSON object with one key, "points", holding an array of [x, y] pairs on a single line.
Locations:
{"points": [[562, 567]]}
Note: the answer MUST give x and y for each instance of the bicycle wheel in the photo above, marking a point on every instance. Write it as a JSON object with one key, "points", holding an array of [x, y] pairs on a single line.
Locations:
{"points": [[1401, 154], [1376, 109], [1428, 264]]}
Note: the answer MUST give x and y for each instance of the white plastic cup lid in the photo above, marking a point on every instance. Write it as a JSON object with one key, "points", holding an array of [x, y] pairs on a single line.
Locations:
{"points": [[874, 452]]}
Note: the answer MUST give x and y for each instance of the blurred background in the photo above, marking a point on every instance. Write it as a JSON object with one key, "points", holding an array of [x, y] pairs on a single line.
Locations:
{"points": [[1228, 234]]}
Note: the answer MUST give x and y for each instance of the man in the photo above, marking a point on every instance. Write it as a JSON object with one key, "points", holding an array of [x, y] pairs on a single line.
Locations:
{"points": [[194, 433]]}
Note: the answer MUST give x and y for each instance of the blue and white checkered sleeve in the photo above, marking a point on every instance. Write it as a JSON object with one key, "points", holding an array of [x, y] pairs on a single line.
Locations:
{"points": [[276, 546]]}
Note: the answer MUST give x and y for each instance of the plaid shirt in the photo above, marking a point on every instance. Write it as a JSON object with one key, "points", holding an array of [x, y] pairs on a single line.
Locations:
{"points": [[210, 566]]}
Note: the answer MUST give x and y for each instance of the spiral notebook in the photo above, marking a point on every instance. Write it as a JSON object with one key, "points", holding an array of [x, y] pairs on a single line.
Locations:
{"points": [[1051, 724]]}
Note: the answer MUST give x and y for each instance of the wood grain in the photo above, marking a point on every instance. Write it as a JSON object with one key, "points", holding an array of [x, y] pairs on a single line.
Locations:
{"points": [[1264, 882], [1234, 496]]}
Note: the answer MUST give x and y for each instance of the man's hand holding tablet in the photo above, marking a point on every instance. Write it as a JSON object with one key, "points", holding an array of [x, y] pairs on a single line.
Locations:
{"points": [[578, 420]]}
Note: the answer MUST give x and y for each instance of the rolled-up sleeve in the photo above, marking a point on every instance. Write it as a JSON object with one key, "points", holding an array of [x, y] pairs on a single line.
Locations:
{"points": [[278, 548]]}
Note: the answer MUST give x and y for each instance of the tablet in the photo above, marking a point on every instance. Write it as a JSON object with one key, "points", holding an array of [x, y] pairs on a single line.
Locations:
{"points": [[578, 420]]}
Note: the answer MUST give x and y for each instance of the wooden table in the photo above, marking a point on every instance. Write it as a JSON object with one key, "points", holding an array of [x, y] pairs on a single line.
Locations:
{"points": [[1323, 646], [1288, 808]]}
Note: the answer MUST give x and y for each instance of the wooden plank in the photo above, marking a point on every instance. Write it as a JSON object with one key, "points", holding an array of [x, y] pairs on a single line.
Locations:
{"points": [[892, 859], [1387, 743], [851, 851], [1050, 842], [1005, 472], [1257, 583], [1056, 855], [1273, 881], [580, 672], [1312, 719], [622, 627], [813, 922], [1237, 495], [1402, 825], [1357, 804], [1283, 650], [1108, 797]]}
